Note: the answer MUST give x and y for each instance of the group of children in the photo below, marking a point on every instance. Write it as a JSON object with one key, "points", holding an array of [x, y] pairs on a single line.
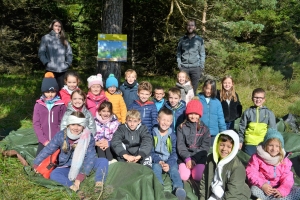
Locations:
{"points": [[170, 136]]}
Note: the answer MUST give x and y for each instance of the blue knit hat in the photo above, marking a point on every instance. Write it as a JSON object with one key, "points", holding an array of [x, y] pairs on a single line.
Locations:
{"points": [[273, 133], [111, 81]]}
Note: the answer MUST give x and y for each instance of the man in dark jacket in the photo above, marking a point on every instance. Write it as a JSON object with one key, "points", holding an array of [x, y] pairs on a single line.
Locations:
{"points": [[191, 54]]}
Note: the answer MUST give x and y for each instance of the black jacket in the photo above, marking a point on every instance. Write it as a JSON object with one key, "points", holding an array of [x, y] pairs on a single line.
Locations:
{"points": [[231, 111]]}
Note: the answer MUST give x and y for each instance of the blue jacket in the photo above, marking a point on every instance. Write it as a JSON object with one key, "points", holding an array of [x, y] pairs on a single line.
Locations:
{"points": [[213, 116], [65, 159], [178, 113], [159, 104], [129, 94], [164, 147], [148, 113]]}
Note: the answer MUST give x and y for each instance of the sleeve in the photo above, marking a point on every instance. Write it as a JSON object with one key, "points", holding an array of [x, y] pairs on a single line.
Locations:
{"points": [[155, 157], [89, 159], [123, 110], [91, 123], [201, 155], [64, 97], [236, 184], [179, 52], [63, 123], [239, 107], [116, 142], [37, 125], [42, 51], [253, 174], [62, 113], [202, 54], [69, 55], [190, 95], [272, 120], [286, 179], [112, 129], [242, 126], [182, 150], [172, 160], [146, 142], [221, 120], [154, 115]]}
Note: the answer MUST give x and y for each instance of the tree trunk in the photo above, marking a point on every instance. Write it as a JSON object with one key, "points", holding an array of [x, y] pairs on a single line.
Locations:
{"points": [[112, 19]]}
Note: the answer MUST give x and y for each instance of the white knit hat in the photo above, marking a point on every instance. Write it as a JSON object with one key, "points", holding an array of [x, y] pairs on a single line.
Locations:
{"points": [[95, 79]]}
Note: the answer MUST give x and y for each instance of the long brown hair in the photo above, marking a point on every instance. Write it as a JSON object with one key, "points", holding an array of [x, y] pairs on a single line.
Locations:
{"points": [[224, 95], [62, 35]]}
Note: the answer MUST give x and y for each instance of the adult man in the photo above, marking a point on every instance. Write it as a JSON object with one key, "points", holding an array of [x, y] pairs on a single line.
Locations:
{"points": [[191, 54]]}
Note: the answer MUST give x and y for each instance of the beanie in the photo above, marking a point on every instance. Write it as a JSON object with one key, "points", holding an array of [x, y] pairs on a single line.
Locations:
{"points": [[95, 79], [111, 81], [273, 133], [49, 83], [194, 106]]}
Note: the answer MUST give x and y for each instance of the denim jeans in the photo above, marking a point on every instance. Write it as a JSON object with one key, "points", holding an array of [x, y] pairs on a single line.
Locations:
{"points": [[173, 172], [101, 168]]}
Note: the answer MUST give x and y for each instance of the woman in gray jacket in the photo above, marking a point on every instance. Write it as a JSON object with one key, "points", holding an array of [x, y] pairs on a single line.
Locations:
{"points": [[55, 52]]}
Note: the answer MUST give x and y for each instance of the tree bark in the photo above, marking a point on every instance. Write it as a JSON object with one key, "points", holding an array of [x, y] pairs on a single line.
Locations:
{"points": [[112, 20]]}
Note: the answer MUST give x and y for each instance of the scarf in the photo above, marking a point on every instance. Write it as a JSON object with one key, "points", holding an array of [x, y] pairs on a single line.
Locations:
{"points": [[97, 98], [130, 85], [49, 102], [79, 153], [184, 89], [274, 161], [103, 121], [68, 90]]}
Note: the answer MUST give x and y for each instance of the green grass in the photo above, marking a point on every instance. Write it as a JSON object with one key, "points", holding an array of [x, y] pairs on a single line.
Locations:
{"points": [[18, 94]]}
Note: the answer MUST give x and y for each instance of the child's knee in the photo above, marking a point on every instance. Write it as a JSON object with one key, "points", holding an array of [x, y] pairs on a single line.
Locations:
{"points": [[197, 172], [184, 172]]}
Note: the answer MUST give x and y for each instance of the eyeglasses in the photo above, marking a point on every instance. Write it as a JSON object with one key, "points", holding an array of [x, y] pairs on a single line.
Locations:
{"points": [[259, 98]]}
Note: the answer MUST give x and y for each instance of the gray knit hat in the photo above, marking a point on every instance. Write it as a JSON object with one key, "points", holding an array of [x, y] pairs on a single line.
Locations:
{"points": [[49, 83], [273, 133]]}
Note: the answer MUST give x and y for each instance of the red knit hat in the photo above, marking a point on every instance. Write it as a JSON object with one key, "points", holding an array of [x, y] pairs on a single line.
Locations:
{"points": [[194, 106]]}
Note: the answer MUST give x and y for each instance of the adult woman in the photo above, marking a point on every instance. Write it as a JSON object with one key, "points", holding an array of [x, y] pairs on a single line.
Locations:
{"points": [[55, 52], [77, 155]]}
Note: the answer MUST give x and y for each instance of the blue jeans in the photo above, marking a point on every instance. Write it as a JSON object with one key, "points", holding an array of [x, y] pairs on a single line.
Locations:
{"points": [[60, 175], [173, 172], [229, 125], [101, 168]]}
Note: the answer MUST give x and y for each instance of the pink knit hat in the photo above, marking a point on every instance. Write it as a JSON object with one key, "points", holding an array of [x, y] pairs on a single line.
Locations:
{"points": [[194, 106], [95, 79]]}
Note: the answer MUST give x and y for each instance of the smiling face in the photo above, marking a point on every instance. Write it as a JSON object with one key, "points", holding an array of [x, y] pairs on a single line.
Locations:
{"points": [[164, 121], [225, 148], [207, 90], [191, 27], [50, 94], [181, 78], [193, 117], [130, 78], [77, 100], [105, 113], [273, 147], [173, 99], [71, 82], [227, 84], [112, 89], [76, 129], [56, 27], [144, 95], [159, 94], [259, 99], [132, 123], [96, 89]]}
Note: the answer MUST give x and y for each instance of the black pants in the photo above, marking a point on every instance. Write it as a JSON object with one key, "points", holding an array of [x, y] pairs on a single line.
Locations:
{"points": [[104, 154], [59, 79]]}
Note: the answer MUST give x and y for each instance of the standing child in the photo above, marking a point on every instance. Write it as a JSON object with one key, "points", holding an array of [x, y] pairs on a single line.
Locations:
{"points": [[269, 170], [95, 95], [115, 97], [77, 103], [48, 112], [130, 87], [230, 102], [164, 155], [159, 94], [71, 80], [144, 106], [106, 124], [254, 122], [132, 142], [224, 176], [184, 84], [193, 142], [177, 106], [213, 116]]}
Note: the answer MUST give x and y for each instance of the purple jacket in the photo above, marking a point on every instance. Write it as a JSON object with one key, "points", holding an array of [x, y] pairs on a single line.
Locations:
{"points": [[47, 123]]}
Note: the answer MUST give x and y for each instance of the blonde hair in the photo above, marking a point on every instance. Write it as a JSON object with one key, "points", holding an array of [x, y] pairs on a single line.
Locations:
{"points": [[175, 90], [281, 153], [187, 77], [145, 85], [135, 114], [224, 95], [130, 71]]}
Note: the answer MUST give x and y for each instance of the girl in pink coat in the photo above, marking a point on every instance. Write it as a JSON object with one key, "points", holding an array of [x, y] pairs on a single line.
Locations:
{"points": [[269, 170]]}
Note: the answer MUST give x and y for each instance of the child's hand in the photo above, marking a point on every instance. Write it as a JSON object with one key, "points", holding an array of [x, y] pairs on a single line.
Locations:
{"points": [[276, 193], [267, 189], [189, 164], [161, 163], [165, 167], [129, 158], [137, 158]]}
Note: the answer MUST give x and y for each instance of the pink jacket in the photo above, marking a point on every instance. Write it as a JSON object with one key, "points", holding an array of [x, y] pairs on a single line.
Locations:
{"points": [[280, 176]]}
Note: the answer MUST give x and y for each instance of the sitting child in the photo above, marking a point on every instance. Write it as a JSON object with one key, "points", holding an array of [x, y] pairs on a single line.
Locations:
{"points": [[224, 176], [164, 154], [269, 170], [132, 142]]}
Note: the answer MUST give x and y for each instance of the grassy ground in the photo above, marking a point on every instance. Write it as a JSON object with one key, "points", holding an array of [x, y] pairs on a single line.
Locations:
{"points": [[18, 94]]}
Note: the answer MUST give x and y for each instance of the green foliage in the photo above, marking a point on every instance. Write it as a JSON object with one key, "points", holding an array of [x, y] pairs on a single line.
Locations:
{"points": [[295, 108]]}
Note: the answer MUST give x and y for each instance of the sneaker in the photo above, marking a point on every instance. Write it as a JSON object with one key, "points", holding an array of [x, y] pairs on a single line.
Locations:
{"points": [[180, 193], [112, 161], [98, 187]]}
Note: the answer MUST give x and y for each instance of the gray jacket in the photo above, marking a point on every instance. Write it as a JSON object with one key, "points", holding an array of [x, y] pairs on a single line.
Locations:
{"points": [[53, 54], [191, 52], [90, 119]]}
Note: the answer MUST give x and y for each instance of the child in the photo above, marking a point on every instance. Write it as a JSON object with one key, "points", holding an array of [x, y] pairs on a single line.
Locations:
{"points": [[177, 106], [269, 170], [213, 116], [77, 104], [115, 97], [193, 142], [48, 112], [95, 95], [132, 142], [106, 124], [144, 106], [164, 154], [71, 80], [130, 87], [224, 175], [77, 155], [184, 84], [254, 122], [230, 102], [159, 94]]}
